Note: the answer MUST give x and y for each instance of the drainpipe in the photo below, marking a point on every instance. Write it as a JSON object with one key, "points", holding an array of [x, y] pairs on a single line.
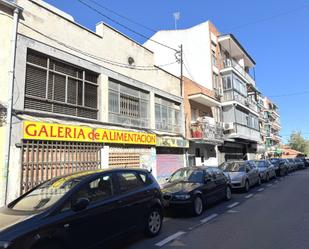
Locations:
{"points": [[10, 103]]}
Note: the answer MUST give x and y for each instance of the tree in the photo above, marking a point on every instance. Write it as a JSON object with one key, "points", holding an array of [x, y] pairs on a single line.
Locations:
{"points": [[298, 142]]}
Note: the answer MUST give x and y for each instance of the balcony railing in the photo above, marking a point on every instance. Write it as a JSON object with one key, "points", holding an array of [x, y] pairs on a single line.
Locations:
{"points": [[227, 63], [244, 132], [230, 95], [206, 131], [130, 121], [163, 126]]}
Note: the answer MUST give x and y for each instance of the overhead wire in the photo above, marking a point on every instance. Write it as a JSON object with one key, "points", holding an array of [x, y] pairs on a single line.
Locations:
{"points": [[104, 60], [122, 16], [124, 26], [265, 19], [290, 94]]}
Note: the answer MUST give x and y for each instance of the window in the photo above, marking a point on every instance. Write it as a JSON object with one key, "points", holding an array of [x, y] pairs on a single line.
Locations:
{"points": [[97, 190], [57, 87], [167, 115], [194, 114], [128, 105], [213, 58], [216, 81], [227, 82], [239, 86], [129, 181]]}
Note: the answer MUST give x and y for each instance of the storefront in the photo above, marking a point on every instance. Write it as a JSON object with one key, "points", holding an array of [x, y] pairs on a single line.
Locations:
{"points": [[53, 149], [171, 155]]}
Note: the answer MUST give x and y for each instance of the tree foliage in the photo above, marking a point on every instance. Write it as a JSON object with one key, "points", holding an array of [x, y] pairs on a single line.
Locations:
{"points": [[298, 142]]}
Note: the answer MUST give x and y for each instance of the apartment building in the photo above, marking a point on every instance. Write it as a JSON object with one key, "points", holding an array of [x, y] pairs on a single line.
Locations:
{"points": [[81, 100], [272, 127], [219, 64]]}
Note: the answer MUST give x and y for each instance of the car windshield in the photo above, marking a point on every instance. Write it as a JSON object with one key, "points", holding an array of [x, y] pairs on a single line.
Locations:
{"points": [[232, 167], [47, 194], [188, 175], [260, 164]]}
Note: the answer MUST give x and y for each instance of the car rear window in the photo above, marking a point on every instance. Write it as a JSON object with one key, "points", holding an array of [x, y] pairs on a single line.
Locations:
{"points": [[129, 181]]}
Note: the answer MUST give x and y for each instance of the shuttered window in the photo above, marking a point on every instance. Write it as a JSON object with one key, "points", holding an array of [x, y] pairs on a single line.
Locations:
{"points": [[57, 87], [127, 105], [167, 114]]}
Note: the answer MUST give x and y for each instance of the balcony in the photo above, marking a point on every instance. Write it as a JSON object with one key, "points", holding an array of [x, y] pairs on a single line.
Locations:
{"points": [[243, 132], [168, 127], [232, 95], [232, 64], [206, 132], [274, 137]]}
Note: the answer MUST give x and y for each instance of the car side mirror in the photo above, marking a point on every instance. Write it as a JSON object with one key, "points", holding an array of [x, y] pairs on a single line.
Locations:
{"points": [[80, 204], [207, 179], [167, 179]]}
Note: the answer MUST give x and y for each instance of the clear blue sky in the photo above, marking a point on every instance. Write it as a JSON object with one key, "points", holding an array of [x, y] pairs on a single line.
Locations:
{"points": [[274, 32]]}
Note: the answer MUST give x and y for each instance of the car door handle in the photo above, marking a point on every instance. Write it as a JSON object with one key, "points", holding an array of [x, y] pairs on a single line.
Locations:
{"points": [[120, 201], [66, 226]]}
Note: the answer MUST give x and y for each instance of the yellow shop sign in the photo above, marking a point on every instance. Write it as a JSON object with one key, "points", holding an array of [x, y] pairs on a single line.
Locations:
{"points": [[61, 132]]}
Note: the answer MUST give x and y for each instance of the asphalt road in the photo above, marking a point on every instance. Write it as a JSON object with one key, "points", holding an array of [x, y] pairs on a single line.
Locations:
{"points": [[272, 216]]}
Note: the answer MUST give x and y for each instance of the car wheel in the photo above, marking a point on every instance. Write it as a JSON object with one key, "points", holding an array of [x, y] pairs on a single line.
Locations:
{"points": [[228, 193], [197, 206], [247, 186], [154, 222], [259, 181]]}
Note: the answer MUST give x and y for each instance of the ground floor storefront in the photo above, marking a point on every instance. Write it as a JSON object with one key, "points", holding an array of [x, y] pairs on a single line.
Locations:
{"points": [[238, 150], [203, 153], [46, 148]]}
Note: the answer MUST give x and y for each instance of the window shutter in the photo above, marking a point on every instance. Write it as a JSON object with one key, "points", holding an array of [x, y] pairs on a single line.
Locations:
{"points": [[36, 82]]}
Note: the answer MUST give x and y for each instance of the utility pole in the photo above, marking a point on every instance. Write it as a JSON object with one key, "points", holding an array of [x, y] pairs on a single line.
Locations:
{"points": [[181, 70], [10, 104]]}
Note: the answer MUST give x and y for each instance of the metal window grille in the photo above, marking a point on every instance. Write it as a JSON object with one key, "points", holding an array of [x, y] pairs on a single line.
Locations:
{"points": [[43, 160], [167, 114], [128, 105], [57, 87], [124, 160]]}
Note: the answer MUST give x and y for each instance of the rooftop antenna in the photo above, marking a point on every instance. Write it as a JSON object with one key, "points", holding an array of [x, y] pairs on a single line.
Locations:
{"points": [[176, 18]]}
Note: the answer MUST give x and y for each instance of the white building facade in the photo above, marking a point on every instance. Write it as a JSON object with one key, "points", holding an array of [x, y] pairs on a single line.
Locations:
{"points": [[82, 100], [220, 64]]}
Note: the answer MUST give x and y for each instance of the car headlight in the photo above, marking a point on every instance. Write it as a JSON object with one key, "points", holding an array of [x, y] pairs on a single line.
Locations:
{"points": [[182, 197], [4, 244]]}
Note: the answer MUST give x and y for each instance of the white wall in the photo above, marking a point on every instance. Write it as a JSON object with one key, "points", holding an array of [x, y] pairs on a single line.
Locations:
{"points": [[197, 53]]}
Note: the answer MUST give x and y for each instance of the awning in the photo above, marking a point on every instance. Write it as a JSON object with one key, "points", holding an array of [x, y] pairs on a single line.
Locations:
{"points": [[203, 99], [172, 142]]}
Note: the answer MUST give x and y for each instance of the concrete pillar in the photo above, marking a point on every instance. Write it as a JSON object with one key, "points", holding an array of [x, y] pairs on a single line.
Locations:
{"points": [[103, 98], [105, 157]]}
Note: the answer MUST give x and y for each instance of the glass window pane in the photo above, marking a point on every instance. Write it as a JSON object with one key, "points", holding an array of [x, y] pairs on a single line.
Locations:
{"points": [[129, 181], [91, 95], [113, 102]]}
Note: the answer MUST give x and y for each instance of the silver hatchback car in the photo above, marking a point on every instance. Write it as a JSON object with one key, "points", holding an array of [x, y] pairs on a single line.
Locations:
{"points": [[266, 169], [243, 174]]}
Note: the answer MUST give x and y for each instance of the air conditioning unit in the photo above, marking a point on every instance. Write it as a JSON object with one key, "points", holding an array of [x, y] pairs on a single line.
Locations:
{"points": [[228, 126], [220, 91]]}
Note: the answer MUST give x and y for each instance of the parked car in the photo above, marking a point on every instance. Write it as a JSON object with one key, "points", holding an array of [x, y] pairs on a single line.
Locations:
{"points": [[300, 163], [280, 166], [292, 166], [243, 174], [83, 210], [194, 187], [306, 161], [266, 169]]}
